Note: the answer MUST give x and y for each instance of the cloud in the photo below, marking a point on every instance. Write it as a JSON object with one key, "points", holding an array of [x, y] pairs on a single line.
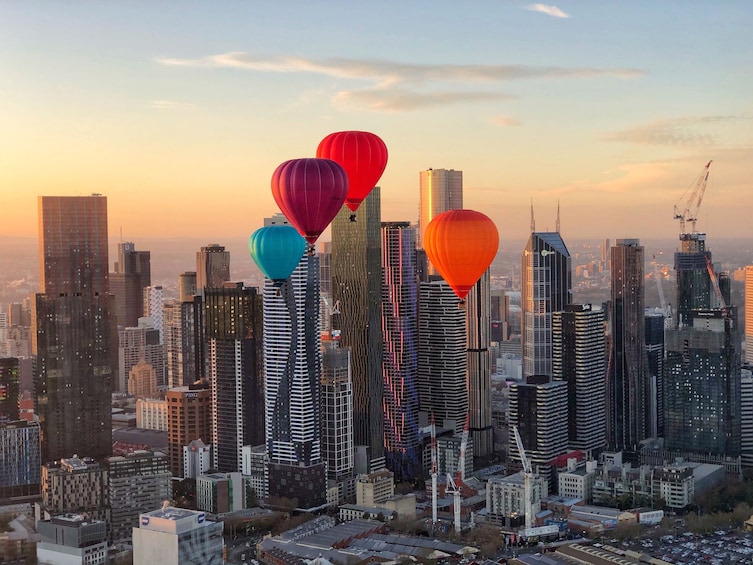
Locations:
{"points": [[397, 99], [395, 85], [392, 72], [686, 131], [170, 105], [553, 11], [505, 121]]}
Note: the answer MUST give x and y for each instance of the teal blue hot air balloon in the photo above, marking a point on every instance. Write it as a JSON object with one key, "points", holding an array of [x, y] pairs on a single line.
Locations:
{"points": [[277, 251]]}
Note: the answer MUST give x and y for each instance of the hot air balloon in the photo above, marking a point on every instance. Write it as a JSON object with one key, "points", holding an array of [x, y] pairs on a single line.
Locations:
{"points": [[363, 155], [276, 250], [461, 244], [310, 192]]}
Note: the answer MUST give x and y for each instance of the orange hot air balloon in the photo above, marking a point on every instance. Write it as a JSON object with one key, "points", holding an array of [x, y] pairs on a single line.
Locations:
{"points": [[461, 244]]}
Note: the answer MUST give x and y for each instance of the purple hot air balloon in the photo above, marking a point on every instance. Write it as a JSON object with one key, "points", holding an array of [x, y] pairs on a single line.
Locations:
{"points": [[310, 192]]}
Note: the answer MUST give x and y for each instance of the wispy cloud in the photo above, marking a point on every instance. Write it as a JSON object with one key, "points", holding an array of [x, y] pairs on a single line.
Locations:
{"points": [[170, 105], [553, 11], [685, 131], [397, 99], [397, 86], [505, 121]]}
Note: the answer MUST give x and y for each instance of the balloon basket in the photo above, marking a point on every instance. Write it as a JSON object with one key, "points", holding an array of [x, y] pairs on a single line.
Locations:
{"points": [[461, 304], [352, 217]]}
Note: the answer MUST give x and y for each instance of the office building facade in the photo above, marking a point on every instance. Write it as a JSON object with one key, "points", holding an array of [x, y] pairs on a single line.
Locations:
{"points": [[578, 348], [75, 335], [212, 267], [546, 287], [20, 463], [233, 332], [440, 190], [9, 389], [176, 536], [357, 292], [133, 273], [189, 418], [627, 374]]}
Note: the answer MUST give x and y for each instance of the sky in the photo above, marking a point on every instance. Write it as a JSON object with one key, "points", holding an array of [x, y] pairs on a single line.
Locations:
{"points": [[180, 111]]}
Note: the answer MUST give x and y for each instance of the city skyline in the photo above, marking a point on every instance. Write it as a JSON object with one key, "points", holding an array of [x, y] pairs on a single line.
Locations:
{"points": [[613, 110]]}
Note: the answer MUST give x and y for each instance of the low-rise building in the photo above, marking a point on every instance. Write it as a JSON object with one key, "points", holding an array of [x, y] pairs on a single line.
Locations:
{"points": [[505, 498], [220, 493], [71, 539], [374, 488]]}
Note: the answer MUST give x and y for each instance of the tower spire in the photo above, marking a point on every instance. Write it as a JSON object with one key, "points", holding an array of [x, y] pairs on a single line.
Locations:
{"points": [[533, 222], [558, 216]]}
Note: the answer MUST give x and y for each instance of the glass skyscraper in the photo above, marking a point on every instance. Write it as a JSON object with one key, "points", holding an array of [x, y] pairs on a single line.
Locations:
{"points": [[357, 294], [400, 353], [627, 373], [74, 341], [546, 287]]}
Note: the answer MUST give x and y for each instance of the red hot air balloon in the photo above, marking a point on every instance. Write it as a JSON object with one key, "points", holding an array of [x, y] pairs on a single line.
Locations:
{"points": [[310, 192], [363, 155], [461, 244]]}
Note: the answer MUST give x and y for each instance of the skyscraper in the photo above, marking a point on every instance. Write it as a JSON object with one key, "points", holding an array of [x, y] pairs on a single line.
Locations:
{"points": [[233, 325], [337, 421], [292, 370], [75, 334], [9, 389], [442, 354], [478, 367], [399, 362], [189, 418], [141, 343], [627, 374], [655, 354], [693, 282], [357, 292], [749, 314], [212, 267], [440, 190], [132, 275], [546, 287], [578, 359], [702, 385]]}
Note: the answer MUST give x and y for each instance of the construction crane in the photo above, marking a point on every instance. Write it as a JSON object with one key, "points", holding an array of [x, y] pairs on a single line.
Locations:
{"points": [[527, 476], [455, 484], [666, 309], [689, 212], [715, 284], [433, 428]]}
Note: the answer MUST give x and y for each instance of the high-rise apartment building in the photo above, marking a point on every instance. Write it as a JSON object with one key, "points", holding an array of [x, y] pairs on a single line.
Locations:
{"points": [[746, 418], [186, 286], [75, 334], [693, 282], [20, 475], [183, 332], [9, 389], [400, 359], [627, 374], [655, 322], [538, 407], [702, 385], [212, 267], [478, 367], [153, 300], [138, 482], [293, 374], [357, 292], [189, 417], [442, 354], [578, 347], [546, 287], [440, 190], [233, 330], [132, 275], [337, 421], [76, 484], [749, 314], [140, 344]]}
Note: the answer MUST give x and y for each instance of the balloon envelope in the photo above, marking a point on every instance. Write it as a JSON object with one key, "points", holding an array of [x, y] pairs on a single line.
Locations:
{"points": [[276, 250], [310, 192], [461, 244], [362, 154]]}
